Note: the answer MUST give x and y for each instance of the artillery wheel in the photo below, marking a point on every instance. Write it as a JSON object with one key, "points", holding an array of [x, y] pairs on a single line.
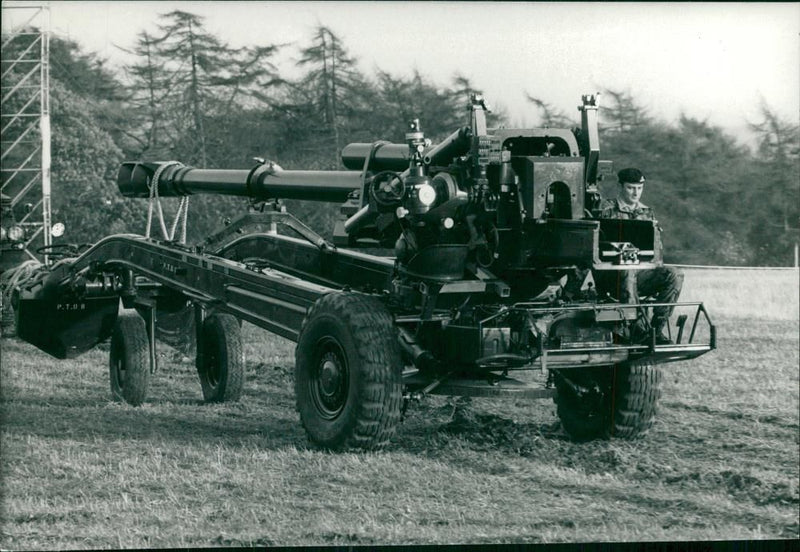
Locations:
{"points": [[220, 362], [623, 404], [129, 359], [348, 373]]}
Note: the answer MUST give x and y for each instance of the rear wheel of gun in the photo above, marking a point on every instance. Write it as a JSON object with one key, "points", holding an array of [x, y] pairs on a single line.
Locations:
{"points": [[619, 402], [220, 359], [348, 369], [129, 359]]}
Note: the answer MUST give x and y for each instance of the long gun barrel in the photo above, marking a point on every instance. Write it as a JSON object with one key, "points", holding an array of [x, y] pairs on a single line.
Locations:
{"points": [[266, 181]]}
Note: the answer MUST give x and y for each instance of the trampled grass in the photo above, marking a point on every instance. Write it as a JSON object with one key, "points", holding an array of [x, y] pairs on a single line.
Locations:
{"points": [[81, 471]]}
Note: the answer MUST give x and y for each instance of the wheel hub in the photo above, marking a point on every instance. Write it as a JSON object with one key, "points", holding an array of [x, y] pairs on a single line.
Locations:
{"points": [[330, 382], [212, 369], [330, 376]]}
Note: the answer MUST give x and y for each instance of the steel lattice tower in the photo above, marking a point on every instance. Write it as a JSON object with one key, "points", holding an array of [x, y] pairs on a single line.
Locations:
{"points": [[25, 115]]}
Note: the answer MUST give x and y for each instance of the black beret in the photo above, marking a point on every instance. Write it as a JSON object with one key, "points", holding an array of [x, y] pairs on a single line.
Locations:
{"points": [[633, 176]]}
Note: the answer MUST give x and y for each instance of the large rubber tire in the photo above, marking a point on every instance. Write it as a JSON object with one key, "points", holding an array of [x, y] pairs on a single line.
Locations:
{"points": [[129, 359], [348, 373], [624, 407], [220, 363]]}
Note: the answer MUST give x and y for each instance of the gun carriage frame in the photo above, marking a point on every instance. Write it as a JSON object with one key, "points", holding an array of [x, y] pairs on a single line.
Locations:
{"points": [[488, 228]]}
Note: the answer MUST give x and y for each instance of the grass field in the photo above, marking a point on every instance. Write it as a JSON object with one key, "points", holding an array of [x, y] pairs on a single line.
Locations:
{"points": [[81, 471], [764, 293]]}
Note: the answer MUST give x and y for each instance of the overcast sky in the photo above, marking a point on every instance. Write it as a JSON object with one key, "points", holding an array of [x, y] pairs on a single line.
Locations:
{"points": [[713, 61]]}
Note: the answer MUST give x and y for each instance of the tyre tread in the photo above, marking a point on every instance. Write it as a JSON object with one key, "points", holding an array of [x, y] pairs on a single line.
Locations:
{"points": [[224, 330], [374, 335], [130, 330]]}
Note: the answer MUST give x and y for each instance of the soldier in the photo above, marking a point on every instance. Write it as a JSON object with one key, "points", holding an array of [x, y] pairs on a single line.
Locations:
{"points": [[627, 204], [663, 283]]}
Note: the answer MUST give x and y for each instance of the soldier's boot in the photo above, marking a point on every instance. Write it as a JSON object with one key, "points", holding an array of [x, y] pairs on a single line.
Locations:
{"points": [[639, 330], [659, 323]]}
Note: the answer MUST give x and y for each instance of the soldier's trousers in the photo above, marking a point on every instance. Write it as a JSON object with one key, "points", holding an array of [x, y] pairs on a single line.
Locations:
{"points": [[663, 284]]}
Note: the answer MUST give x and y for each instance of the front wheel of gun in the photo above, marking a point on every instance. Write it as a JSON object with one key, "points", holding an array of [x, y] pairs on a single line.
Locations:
{"points": [[348, 370]]}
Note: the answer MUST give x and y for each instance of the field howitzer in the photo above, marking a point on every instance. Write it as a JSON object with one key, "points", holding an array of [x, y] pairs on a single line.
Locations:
{"points": [[495, 236]]}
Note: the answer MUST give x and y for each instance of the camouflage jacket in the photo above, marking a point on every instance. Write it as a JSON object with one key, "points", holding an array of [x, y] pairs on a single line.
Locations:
{"points": [[615, 209]]}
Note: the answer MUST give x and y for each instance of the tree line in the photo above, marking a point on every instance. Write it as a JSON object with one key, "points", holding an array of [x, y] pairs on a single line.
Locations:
{"points": [[189, 96]]}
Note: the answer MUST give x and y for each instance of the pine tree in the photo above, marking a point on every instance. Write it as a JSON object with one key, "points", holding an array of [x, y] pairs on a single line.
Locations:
{"points": [[185, 79], [440, 110], [331, 89], [196, 58], [551, 116], [775, 191], [621, 113], [149, 87]]}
